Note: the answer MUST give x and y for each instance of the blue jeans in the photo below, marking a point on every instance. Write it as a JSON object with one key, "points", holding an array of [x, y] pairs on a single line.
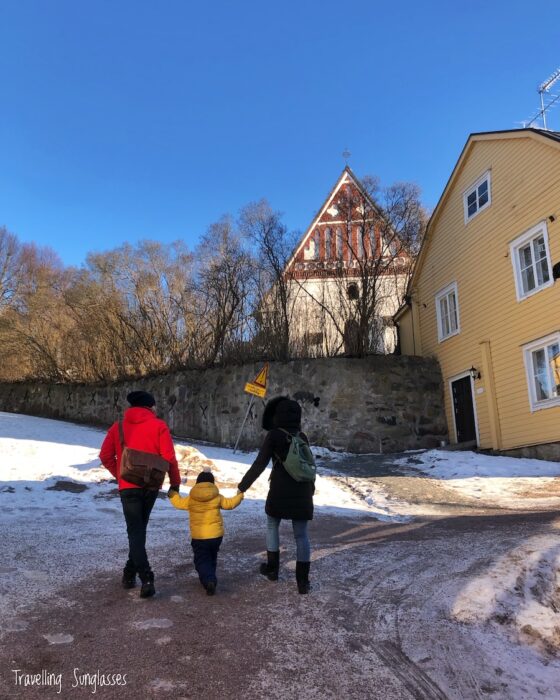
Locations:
{"points": [[137, 505], [206, 558], [303, 547]]}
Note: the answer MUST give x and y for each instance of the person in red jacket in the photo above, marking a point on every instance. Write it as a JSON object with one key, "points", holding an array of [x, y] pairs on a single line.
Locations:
{"points": [[142, 431]]}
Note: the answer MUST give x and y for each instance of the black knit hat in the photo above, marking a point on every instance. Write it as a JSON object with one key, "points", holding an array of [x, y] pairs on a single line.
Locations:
{"points": [[205, 476], [141, 399]]}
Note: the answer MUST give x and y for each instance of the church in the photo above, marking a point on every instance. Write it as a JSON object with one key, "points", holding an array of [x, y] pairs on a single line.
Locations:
{"points": [[348, 276]]}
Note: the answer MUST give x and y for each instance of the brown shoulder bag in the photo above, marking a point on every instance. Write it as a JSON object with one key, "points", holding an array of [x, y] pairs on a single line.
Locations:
{"points": [[142, 468]]}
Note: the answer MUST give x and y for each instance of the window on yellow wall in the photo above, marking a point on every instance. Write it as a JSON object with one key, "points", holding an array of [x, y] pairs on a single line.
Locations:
{"points": [[447, 311], [530, 258], [542, 364], [477, 197]]}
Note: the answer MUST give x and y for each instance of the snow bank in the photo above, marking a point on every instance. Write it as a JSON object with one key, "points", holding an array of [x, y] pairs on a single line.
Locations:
{"points": [[521, 591], [507, 482]]}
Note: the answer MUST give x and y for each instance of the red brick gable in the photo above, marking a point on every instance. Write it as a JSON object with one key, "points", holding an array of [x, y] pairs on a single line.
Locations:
{"points": [[332, 244]]}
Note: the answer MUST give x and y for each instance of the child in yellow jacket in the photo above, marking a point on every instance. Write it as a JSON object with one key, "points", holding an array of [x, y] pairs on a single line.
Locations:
{"points": [[207, 526]]}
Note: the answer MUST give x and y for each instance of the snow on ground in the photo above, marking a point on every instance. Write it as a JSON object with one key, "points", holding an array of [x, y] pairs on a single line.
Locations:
{"points": [[520, 591], [50, 533], [333, 490], [505, 482], [51, 536]]}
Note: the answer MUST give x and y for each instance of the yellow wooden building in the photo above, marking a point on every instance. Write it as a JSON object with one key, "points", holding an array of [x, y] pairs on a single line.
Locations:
{"points": [[485, 295]]}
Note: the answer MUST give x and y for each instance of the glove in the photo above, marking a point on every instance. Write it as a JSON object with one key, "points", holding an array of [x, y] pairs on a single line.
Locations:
{"points": [[172, 490]]}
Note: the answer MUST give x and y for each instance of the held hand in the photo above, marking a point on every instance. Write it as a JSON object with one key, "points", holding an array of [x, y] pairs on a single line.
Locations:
{"points": [[172, 490]]}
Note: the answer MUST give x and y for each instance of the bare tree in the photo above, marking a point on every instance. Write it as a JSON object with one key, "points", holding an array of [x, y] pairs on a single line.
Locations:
{"points": [[223, 281], [144, 305], [34, 323], [153, 307], [272, 247], [11, 268]]}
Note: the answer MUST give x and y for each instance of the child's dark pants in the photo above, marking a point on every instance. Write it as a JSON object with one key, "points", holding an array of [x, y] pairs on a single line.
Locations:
{"points": [[205, 558]]}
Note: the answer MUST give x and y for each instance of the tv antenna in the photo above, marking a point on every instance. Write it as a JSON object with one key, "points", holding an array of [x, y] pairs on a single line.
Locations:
{"points": [[544, 89]]}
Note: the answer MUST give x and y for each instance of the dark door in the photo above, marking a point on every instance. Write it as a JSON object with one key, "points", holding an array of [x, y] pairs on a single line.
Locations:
{"points": [[463, 409]]}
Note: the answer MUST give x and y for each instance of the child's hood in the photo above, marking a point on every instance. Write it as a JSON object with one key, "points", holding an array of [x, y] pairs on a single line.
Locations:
{"points": [[204, 491]]}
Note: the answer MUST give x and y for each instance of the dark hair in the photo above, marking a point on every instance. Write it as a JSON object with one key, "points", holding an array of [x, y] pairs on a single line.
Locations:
{"points": [[269, 411], [287, 415], [204, 477]]}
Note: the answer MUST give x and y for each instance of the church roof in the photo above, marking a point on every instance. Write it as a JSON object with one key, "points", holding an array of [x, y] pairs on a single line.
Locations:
{"points": [[347, 176]]}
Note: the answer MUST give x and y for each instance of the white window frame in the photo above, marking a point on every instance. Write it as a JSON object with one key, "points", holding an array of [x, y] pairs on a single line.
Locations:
{"points": [[446, 291], [520, 242], [486, 176], [528, 351]]}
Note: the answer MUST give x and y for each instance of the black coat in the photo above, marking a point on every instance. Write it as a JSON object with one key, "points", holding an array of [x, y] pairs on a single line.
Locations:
{"points": [[287, 498]]}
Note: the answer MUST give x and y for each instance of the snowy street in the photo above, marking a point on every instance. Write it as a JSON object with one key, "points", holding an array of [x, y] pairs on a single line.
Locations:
{"points": [[434, 575]]}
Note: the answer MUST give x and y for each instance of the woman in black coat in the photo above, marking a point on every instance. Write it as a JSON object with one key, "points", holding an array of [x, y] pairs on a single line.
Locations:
{"points": [[287, 498]]}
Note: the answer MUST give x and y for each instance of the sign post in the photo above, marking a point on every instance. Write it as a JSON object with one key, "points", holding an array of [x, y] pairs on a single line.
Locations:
{"points": [[256, 388]]}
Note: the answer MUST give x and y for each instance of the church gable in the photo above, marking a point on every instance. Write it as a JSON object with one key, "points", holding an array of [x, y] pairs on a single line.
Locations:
{"points": [[333, 241]]}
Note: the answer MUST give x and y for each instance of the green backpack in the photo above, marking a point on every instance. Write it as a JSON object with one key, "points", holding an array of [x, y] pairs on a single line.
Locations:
{"points": [[299, 462]]}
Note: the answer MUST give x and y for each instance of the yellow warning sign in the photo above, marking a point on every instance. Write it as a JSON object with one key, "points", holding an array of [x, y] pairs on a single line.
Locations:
{"points": [[258, 386]]}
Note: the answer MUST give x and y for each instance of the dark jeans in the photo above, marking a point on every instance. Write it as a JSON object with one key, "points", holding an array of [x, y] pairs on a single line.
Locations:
{"points": [[137, 505], [206, 558]]}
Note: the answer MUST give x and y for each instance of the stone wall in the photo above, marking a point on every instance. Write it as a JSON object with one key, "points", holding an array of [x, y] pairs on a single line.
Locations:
{"points": [[549, 451], [380, 403]]}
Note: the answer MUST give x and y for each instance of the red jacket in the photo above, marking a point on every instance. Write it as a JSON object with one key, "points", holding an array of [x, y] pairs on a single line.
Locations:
{"points": [[142, 431]]}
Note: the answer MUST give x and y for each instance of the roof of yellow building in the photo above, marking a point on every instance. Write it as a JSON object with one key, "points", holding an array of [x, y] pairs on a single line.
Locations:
{"points": [[552, 137]]}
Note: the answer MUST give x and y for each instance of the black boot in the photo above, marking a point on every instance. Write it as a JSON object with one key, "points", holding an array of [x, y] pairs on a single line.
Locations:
{"points": [[148, 589], [302, 576], [270, 569], [128, 577]]}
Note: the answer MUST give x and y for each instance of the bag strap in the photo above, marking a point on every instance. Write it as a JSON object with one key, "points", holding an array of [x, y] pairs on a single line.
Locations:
{"points": [[290, 440], [121, 435], [290, 435]]}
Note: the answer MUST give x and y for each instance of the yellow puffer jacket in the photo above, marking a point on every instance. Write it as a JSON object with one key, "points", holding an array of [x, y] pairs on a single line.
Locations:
{"points": [[204, 503]]}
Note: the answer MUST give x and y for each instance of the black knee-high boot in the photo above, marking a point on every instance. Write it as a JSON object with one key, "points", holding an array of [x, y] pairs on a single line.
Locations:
{"points": [[270, 569], [302, 576]]}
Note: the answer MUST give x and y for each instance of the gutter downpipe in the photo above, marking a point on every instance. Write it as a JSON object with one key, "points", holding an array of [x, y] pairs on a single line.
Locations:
{"points": [[490, 386]]}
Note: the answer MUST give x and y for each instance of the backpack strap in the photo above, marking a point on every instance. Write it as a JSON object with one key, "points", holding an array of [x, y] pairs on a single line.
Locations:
{"points": [[289, 441], [121, 435], [287, 433]]}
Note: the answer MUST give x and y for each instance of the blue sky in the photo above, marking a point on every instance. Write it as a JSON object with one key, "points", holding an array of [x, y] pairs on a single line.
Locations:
{"points": [[127, 120]]}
